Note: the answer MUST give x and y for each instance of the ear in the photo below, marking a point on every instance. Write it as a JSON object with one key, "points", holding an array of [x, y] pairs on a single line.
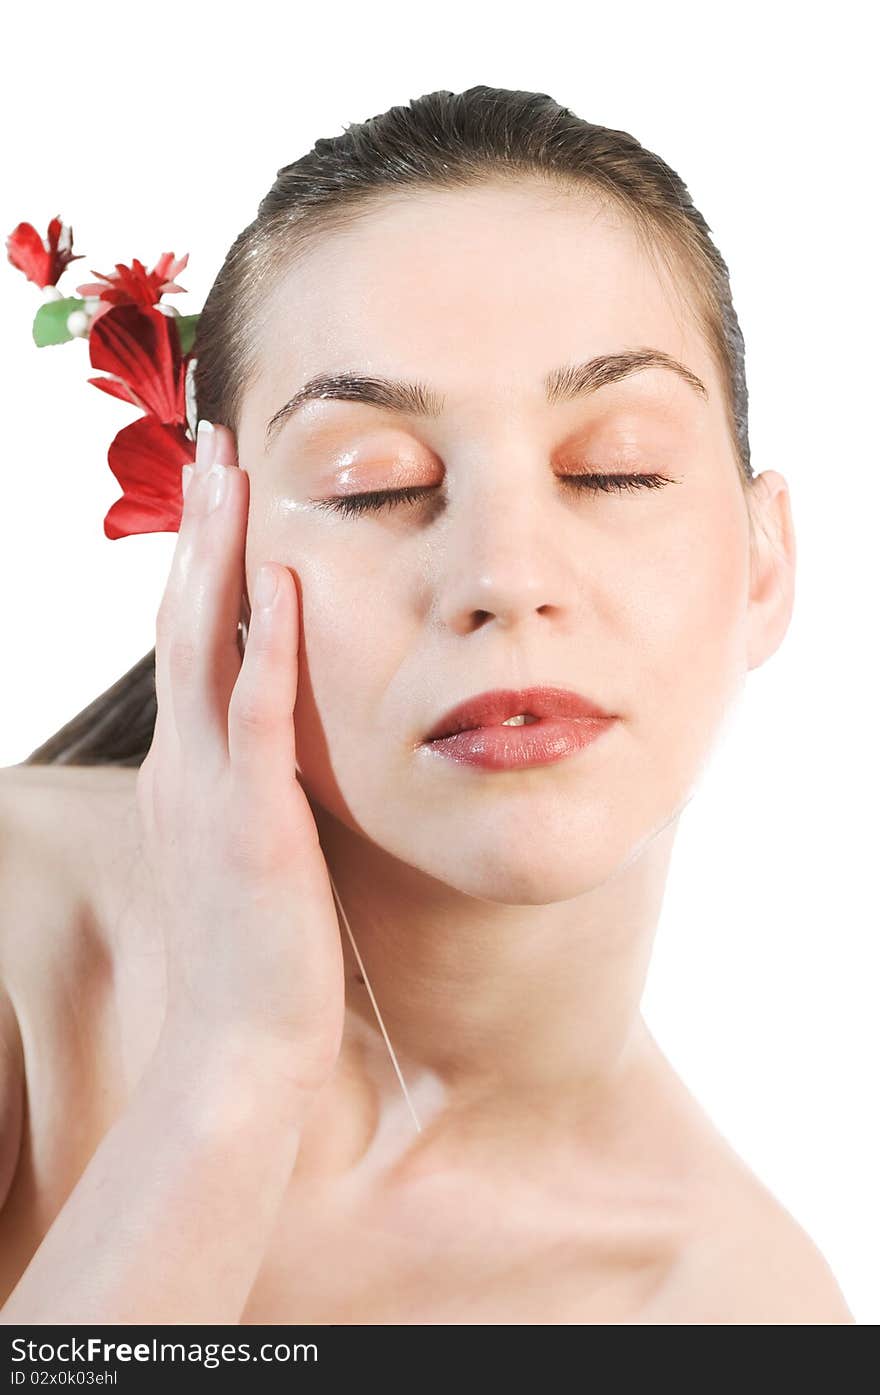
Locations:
{"points": [[771, 565]]}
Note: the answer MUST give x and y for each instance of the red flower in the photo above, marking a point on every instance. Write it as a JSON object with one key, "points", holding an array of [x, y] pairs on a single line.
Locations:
{"points": [[134, 285], [42, 262], [140, 346]]}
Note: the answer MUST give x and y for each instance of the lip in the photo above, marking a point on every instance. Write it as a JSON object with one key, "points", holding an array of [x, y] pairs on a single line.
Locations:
{"points": [[473, 732], [492, 708]]}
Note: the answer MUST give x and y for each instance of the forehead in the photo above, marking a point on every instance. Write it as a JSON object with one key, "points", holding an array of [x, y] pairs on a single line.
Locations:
{"points": [[477, 291]]}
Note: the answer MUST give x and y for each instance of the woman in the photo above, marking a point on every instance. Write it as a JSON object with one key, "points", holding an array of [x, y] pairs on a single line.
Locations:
{"points": [[480, 416]]}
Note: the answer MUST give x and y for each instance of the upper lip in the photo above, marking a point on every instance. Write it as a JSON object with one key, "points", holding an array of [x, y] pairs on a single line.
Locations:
{"points": [[492, 708]]}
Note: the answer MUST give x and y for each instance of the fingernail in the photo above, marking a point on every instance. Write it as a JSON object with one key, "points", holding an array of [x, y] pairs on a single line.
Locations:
{"points": [[187, 475], [205, 438], [217, 477]]}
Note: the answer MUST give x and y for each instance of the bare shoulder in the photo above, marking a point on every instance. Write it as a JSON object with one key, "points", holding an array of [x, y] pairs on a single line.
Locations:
{"points": [[36, 800], [32, 867], [36, 789], [42, 871], [750, 1262], [61, 826]]}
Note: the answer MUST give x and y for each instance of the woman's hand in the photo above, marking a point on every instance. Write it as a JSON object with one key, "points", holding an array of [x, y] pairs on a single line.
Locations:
{"points": [[253, 952]]}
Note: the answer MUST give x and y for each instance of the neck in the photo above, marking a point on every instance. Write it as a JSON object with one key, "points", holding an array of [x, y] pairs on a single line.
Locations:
{"points": [[506, 1004]]}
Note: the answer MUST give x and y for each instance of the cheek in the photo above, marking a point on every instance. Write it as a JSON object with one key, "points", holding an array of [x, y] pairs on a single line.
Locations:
{"points": [[690, 654], [694, 603], [351, 649]]}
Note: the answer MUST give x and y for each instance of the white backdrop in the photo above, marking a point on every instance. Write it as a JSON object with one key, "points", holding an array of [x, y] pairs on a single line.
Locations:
{"points": [[155, 130]]}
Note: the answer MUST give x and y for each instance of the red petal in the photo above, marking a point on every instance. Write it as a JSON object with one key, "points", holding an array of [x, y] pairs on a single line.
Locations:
{"points": [[164, 273], [161, 268], [25, 250], [147, 458], [54, 234], [141, 346], [117, 388], [128, 516]]}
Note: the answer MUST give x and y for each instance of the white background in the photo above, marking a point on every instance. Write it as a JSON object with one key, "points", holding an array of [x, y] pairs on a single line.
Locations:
{"points": [[153, 130]]}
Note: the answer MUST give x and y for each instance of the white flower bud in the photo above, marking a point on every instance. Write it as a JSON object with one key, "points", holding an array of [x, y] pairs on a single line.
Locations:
{"points": [[51, 293], [78, 323]]}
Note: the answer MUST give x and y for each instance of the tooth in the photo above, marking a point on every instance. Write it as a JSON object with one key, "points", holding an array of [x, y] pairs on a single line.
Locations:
{"points": [[518, 721]]}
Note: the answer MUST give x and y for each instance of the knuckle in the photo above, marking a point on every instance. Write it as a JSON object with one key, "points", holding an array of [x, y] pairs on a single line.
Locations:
{"points": [[244, 849], [250, 851], [250, 711]]}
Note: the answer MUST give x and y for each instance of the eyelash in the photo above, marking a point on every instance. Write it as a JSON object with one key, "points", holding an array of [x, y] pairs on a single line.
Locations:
{"points": [[387, 498]]}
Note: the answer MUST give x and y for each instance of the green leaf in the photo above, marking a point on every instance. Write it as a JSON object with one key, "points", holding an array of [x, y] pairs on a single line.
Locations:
{"points": [[50, 322], [186, 328]]}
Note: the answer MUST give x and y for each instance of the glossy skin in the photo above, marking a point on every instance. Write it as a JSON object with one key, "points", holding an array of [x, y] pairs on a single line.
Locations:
{"points": [[563, 1173], [499, 914]]}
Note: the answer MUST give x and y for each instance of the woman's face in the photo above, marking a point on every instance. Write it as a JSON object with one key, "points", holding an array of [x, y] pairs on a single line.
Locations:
{"points": [[504, 577]]}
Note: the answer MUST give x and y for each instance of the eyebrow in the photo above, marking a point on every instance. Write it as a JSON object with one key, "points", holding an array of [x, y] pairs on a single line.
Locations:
{"points": [[418, 399]]}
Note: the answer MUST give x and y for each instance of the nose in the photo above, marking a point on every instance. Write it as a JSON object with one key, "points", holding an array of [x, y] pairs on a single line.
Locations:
{"points": [[509, 558]]}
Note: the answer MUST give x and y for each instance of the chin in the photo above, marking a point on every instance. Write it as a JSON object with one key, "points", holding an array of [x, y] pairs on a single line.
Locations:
{"points": [[542, 876]]}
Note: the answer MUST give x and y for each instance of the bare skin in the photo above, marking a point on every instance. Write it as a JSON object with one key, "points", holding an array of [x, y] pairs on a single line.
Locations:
{"points": [[636, 1211], [563, 1173]]}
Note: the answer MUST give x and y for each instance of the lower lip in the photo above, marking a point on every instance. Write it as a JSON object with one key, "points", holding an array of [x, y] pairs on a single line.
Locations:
{"points": [[515, 748]]}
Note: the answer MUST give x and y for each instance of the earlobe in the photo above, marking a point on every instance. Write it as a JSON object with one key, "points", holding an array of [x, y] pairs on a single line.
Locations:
{"points": [[772, 557]]}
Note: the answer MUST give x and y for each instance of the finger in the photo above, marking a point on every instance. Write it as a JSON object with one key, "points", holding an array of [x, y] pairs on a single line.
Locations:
{"points": [[261, 735], [197, 654]]}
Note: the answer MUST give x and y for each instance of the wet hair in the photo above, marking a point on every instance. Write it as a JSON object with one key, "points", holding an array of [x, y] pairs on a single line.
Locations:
{"points": [[439, 142]]}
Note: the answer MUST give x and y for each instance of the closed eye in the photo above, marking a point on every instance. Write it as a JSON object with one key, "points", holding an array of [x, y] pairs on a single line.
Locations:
{"points": [[388, 498]]}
